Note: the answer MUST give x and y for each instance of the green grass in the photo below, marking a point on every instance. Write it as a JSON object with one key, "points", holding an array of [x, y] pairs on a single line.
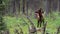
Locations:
{"points": [[12, 24]]}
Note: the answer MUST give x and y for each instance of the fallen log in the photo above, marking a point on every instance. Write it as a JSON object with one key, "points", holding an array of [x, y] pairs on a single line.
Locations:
{"points": [[58, 30], [44, 28]]}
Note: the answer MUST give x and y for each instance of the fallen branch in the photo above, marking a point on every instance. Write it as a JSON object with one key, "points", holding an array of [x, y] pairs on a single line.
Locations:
{"points": [[32, 28], [44, 28], [58, 30]]}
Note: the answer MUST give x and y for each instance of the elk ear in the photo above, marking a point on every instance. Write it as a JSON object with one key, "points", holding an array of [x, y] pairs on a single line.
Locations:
{"points": [[36, 11]]}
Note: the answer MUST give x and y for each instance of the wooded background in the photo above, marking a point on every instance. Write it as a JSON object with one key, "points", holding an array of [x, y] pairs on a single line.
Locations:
{"points": [[15, 7], [24, 11]]}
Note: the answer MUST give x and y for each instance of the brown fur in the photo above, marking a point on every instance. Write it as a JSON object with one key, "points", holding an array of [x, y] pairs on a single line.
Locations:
{"points": [[40, 17]]}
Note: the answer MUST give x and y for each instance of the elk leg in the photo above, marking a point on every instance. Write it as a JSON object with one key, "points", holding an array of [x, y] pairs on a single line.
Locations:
{"points": [[38, 24], [43, 22]]}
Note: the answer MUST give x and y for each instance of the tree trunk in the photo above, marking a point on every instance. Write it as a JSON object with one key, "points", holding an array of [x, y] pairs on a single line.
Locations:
{"points": [[24, 6], [27, 7], [48, 5], [14, 8], [55, 4], [18, 6], [59, 5]]}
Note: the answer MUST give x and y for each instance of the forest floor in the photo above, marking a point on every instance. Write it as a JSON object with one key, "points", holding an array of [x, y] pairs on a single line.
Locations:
{"points": [[12, 22]]}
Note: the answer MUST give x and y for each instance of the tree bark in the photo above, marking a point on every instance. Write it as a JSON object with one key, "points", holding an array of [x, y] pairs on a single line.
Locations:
{"points": [[59, 5], [48, 6], [27, 7], [14, 8], [18, 6], [24, 6]]}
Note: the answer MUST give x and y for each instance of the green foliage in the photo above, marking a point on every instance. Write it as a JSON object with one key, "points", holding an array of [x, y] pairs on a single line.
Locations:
{"points": [[0, 1], [51, 24], [2, 24], [2, 7]]}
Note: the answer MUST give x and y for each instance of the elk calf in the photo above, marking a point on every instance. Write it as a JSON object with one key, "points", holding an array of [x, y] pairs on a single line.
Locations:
{"points": [[40, 17]]}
